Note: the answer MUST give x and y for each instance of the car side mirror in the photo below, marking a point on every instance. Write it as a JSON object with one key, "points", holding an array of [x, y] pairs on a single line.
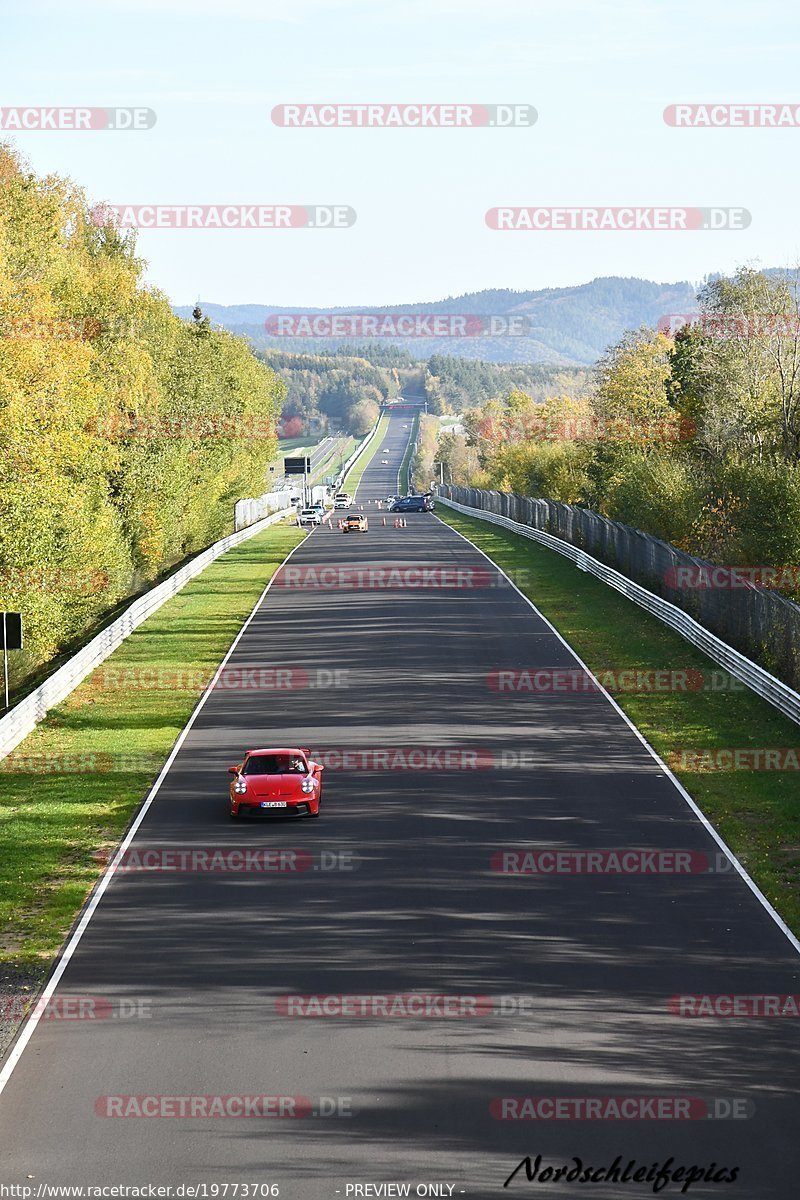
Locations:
{"points": [[233, 770]]}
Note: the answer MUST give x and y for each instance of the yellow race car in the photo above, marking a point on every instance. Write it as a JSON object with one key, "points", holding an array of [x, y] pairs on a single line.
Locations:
{"points": [[357, 521]]}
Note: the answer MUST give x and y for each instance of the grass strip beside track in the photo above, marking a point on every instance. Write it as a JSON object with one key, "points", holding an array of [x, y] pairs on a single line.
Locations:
{"points": [[405, 467], [755, 811], [353, 477], [69, 790]]}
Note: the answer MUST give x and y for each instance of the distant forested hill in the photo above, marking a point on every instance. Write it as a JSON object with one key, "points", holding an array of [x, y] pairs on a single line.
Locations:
{"points": [[569, 326]]}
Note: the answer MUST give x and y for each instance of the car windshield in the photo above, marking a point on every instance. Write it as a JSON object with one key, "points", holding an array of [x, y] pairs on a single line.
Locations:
{"points": [[274, 764]]}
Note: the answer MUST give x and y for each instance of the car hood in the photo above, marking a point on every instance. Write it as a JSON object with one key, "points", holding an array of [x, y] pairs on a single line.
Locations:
{"points": [[272, 787]]}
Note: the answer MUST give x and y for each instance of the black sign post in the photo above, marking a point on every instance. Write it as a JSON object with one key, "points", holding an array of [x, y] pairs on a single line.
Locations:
{"points": [[296, 466], [11, 634], [299, 466]]}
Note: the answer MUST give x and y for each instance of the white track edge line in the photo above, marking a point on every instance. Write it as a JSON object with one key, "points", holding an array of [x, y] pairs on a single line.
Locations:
{"points": [[34, 1017], [754, 888]]}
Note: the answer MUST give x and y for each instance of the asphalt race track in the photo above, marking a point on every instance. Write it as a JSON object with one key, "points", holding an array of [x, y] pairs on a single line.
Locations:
{"points": [[398, 894]]}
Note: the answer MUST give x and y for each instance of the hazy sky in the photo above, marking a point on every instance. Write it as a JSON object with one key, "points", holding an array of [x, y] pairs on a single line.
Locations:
{"points": [[598, 72]]}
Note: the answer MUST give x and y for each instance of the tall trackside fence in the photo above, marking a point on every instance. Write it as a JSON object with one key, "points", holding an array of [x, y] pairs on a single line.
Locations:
{"points": [[751, 630], [247, 512]]}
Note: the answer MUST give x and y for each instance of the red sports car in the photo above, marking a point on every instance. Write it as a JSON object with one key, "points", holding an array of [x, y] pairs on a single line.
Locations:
{"points": [[276, 781]]}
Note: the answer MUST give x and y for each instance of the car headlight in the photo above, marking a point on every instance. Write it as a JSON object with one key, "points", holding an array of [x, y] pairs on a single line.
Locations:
{"points": [[307, 785], [240, 787]]}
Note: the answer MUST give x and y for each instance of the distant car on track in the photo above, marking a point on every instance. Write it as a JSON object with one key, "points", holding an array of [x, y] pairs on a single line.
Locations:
{"points": [[283, 781], [309, 516], [356, 522]]}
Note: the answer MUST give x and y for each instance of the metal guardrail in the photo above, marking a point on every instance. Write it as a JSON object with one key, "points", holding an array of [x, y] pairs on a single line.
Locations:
{"points": [[759, 680], [359, 450], [22, 719]]}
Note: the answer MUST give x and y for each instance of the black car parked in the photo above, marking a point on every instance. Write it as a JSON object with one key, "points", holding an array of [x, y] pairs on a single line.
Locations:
{"points": [[412, 504]]}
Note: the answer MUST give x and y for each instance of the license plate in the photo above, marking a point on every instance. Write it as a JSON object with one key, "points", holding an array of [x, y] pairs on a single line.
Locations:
{"points": [[273, 804]]}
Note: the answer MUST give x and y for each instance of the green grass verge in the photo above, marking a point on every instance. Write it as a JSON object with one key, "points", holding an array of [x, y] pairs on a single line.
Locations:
{"points": [[353, 477], [405, 466], [290, 445], [122, 721], [756, 812]]}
